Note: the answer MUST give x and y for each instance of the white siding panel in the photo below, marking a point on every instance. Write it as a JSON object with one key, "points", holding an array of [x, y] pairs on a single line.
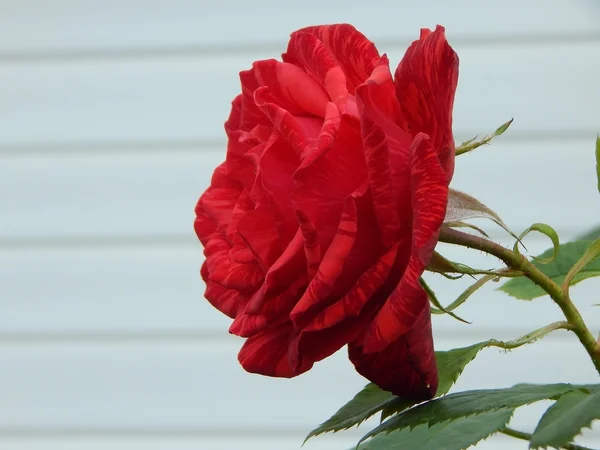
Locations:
{"points": [[137, 196], [104, 195], [85, 25], [157, 294], [128, 388], [187, 98]]}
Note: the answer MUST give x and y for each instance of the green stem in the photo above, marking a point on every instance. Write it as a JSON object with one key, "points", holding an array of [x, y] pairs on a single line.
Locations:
{"points": [[527, 437], [530, 337], [517, 261]]}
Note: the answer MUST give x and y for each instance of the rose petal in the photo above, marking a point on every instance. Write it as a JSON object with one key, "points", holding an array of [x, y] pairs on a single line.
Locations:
{"points": [[426, 81], [268, 353], [312, 246], [332, 169], [354, 247], [356, 54], [239, 248], [204, 226], [238, 166], [387, 150], [259, 231], [326, 331], [291, 88], [243, 205], [307, 51], [283, 121], [373, 280], [228, 273], [275, 172], [228, 301], [235, 116], [250, 114], [283, 286], [429, 186], [407, 366], [219, 200]]}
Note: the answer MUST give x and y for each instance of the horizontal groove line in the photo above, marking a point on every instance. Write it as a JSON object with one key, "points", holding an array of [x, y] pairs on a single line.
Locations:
{"points": [[25, 433], [184, 147], [75, 242], [223, 338], [159, 241], [134, 146], [235, 49]]}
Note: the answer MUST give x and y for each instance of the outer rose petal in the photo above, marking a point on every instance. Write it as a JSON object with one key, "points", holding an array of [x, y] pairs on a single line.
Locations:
{"points": [[356, 54], [407, 366], [223, 270], [228, 301], [235, 115], [426, 80], [268, 353], [429, 187], [203, 225], [250, 115], [387, 152], [354, 248], [335, 324], [219, 200], [238, 166], [283, 285]]}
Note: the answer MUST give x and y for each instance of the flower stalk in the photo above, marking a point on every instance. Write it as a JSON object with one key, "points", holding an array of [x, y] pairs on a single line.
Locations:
{"points": [[518, 262]]}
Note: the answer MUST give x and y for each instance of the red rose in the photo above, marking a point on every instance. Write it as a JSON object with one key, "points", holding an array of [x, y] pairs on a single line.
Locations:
{"points": [[327, 209]]}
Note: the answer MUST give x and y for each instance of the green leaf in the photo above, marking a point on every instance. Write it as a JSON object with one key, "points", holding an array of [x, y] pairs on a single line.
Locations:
{"points": [[598, 160], [450, 365], [464, 404], [451, 435], [548, 231], [568, 255], [365, 404], [395, 406], [592, 252], [502, 128], [565, 419], [467, 142], [372, 399]]}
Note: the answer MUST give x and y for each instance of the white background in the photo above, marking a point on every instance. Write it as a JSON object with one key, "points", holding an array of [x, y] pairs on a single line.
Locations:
{"points": [[111, 121]]}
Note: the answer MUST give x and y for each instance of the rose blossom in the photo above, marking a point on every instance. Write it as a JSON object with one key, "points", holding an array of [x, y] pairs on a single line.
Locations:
{"points": [[320, 222]]}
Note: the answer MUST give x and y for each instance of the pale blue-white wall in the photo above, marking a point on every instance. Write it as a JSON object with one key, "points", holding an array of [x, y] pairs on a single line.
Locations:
{"points": [[111, 119]]}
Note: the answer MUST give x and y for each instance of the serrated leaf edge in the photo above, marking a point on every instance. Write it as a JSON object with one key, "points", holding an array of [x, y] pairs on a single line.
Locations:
{"points": [[374, 432], [511, 410], [583, 427]]}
